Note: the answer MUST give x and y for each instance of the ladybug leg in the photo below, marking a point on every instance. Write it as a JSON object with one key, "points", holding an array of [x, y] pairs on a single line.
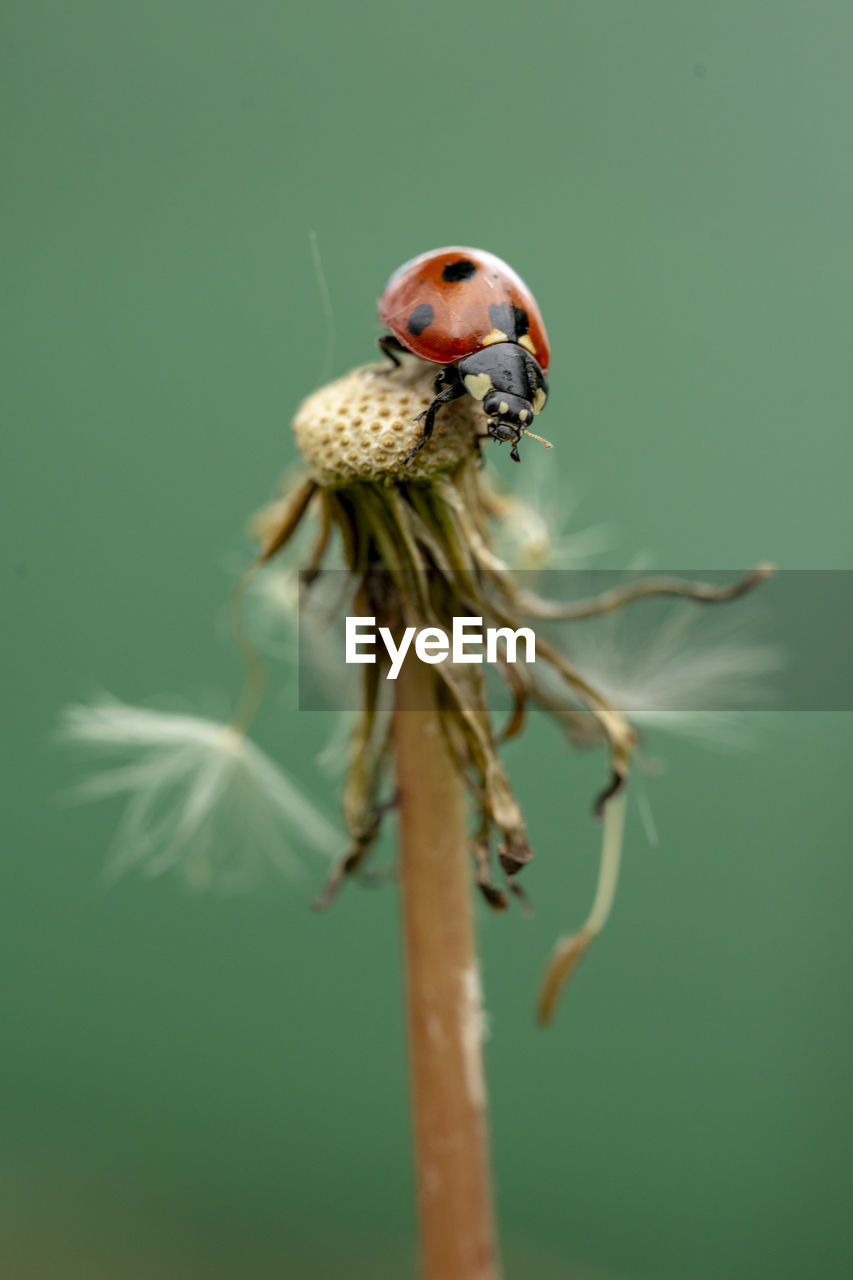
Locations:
{"points": [[449, 386], [389, 346], [513, 453]]}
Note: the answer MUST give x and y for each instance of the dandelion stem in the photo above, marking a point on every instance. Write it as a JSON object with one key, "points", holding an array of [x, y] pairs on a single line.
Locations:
{"points": [[445, 1020]]}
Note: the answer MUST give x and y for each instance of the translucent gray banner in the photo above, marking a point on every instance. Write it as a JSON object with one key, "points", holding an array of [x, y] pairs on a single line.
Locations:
{"points": [[653, 644]]}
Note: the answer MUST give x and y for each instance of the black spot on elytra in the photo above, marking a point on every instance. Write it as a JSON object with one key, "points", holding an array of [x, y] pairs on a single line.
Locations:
{"points": [[421, 318], [461, 270], [513, 321]]}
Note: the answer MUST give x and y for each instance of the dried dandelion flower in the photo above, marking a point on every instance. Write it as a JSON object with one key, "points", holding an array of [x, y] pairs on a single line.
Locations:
{"points": [[417, 534], [416, 542]]}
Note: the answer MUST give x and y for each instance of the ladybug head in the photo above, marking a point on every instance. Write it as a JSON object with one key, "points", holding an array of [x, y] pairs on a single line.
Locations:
{"points": [[508, 415]]}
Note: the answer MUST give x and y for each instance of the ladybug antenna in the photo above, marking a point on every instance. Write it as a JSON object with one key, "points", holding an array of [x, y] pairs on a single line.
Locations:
{"points": [[541, 439]]}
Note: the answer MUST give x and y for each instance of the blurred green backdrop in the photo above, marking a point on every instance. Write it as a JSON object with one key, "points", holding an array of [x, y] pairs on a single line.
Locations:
{"points": [[200, 1087]]}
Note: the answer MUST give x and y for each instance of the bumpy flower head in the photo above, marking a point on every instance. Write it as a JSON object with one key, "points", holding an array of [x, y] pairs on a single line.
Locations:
{"points": [[362, 426]]}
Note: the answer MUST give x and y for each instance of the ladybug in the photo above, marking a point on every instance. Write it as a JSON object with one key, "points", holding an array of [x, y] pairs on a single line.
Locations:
{"points": [[466, 310]]}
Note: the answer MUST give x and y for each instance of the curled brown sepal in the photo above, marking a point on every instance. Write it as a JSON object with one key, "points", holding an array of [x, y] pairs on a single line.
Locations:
{"points": [[614, 786], [644, 589], [565, 958], [521, 896], [281, 524], [350, 863], [493, 895], [342, 869], [514, 855], [569, 951]]}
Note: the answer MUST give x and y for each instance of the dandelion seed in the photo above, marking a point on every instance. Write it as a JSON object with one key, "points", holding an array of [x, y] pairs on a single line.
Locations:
{"points": [[202, 799], [334, 757], [278, 614], [647, 816], [689, 675], [535, 532], [275, 621], [272, 613]]}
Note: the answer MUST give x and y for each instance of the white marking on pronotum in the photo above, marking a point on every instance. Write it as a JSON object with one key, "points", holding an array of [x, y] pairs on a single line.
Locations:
{"points": [[526, 341], [474, 1030], [327, 308], [496, 335], [539, 399], [479, 385]]}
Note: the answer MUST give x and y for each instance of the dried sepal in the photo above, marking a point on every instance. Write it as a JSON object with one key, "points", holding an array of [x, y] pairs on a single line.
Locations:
{"points": [[568, 952]]}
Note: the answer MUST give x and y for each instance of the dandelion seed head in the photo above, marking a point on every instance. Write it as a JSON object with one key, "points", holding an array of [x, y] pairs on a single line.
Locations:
{"points": [[362, 427]]}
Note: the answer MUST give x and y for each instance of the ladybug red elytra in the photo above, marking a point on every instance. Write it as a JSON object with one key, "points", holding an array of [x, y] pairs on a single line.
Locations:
{"points": [[468, 311]]}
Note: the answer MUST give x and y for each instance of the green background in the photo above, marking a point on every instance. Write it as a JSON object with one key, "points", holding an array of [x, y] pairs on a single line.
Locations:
{"points": [[199, 1087]]}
